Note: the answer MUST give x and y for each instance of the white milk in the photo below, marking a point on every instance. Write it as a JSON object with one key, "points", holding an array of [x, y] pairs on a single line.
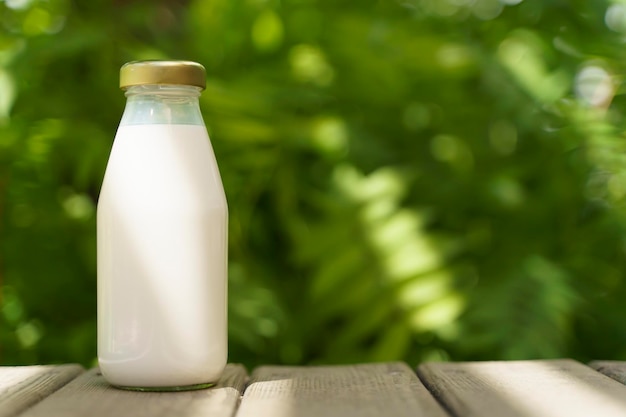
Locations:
{"points": [[162, 246]]}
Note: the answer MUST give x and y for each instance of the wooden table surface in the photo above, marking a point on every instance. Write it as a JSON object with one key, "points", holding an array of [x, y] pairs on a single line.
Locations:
{"points": [[482, 389]]}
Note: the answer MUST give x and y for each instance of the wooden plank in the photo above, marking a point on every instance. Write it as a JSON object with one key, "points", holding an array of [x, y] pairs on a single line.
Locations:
{"points": [[90, 395], [613, 369], [551, 388], [23, 386], [389, 389]]}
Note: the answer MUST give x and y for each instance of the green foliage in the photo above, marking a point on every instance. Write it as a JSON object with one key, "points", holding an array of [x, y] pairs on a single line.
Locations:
{"points": [[416, 180]]}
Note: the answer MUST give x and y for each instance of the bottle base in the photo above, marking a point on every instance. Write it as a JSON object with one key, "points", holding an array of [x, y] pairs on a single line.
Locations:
{"points": [[167, 389]]}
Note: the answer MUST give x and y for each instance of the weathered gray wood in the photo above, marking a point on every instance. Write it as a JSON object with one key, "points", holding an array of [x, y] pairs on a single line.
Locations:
{"points": [[390, 389], [613, 369], [90, 395], [552, 388], [23, 386]]}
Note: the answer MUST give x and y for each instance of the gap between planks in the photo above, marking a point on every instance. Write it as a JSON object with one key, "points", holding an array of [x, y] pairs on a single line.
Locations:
{"points": [[613, 369]]}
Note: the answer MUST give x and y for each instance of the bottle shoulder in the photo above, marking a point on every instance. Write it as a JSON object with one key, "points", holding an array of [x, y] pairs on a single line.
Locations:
{"points": [[163, 165]]}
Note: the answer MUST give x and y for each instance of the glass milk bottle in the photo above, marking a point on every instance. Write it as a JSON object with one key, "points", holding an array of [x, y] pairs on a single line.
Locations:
{"points": [[162, 238]]}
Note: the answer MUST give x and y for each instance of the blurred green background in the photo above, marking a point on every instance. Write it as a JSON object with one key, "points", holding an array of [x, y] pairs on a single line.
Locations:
{"points": [[407, 179]]}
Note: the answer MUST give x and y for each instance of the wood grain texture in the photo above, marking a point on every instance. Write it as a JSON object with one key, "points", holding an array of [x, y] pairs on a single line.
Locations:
{"points": [[90, 395], [390, 389], [23, 386], [613, 369], [551, 388]]}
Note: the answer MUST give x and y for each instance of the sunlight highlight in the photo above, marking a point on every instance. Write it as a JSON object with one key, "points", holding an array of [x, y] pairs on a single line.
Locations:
{"points": [[522, 54], [330, 135], [267, 31], [309, 64], [594, 86], [410, 256]]}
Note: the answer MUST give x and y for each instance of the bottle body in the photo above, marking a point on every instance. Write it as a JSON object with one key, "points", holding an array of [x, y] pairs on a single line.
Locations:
{"points": [[162, 251]]}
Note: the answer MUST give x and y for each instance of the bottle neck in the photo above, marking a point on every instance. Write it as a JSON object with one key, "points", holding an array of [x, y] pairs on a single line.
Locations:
{"points": [[162, 104]]}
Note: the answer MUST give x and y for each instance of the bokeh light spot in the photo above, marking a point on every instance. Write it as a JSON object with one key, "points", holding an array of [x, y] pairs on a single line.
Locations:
{"points": [[36, 22], [330, 135], [308, 64], [267, 31], [615, 17], [594, 86]]}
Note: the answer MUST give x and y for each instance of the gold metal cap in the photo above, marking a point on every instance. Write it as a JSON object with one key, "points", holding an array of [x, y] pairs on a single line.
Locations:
{"points": [[162, 72]]}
